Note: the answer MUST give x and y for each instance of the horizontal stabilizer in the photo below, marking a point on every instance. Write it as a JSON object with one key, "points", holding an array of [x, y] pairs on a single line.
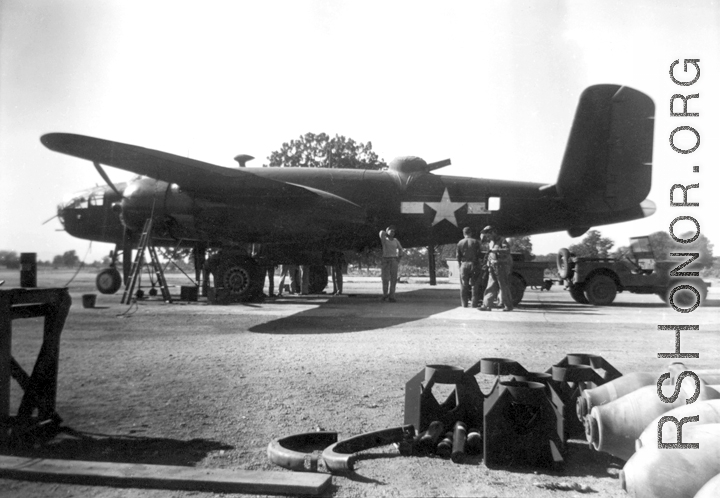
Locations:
{"points": [[608, 159]]}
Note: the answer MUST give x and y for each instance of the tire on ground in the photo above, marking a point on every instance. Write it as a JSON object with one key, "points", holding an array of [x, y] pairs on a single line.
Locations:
{"points": [[108, 281], [564, 264], [601, 290], [517, 288], [685, 298], [318, 279], [240, 279], [577, 292]]}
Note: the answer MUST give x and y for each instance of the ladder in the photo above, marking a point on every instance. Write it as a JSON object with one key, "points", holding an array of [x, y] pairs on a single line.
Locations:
{"points": [[136, 269]]}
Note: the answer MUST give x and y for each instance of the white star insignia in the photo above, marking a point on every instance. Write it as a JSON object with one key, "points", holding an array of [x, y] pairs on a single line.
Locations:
{"points": [[445, 209]]}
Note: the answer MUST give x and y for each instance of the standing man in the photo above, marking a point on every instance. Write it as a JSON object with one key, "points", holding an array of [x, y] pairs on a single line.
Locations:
{"points": [[392, 252], [338, 262], [499, 259], [304, 280], [468, 257]]}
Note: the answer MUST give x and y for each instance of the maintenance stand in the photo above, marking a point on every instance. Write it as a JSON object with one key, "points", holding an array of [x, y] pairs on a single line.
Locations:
{"points": [[40, 388]]}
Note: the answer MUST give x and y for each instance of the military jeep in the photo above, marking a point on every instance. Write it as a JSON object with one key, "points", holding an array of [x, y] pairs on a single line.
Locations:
{"points": [[597, 281]]}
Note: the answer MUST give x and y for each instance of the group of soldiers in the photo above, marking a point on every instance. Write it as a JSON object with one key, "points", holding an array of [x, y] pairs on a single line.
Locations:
{"points": [[480, 273], [494, 266]]}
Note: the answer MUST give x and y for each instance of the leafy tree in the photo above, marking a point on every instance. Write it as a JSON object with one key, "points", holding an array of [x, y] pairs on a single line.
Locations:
{"points": [[594, 245], [662, 245], [321, 151], [522, 245], [366, 258], [9, 258], [444, 252], [68, 259], [551, 256], [621, 252], [416, 256]]}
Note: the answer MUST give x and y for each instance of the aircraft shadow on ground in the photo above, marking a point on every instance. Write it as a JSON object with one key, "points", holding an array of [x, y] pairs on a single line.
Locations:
{"points": [[366, 312], [362, 312], [70, 444]]}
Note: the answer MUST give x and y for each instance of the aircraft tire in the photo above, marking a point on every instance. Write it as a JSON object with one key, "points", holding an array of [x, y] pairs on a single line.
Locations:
{"points": [[241, 279], [318, 279], [108, 281], [517, 288], [577, 292], [601, 290], [564, 264]]}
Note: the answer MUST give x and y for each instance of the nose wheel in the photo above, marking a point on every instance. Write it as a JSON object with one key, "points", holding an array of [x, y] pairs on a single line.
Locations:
{"points": [[108, 281]]}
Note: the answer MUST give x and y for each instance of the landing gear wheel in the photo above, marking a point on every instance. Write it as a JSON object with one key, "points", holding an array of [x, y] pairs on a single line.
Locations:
{"points": [[564, 264], [240, 280], [318, 279], [601, 290], [517, 288], [577, 292], [108, 281]]}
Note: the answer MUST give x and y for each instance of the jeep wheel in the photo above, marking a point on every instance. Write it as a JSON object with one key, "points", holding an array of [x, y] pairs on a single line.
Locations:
{"points": [[517, 288], [564, 264], [601, 290], [577, 292], [318, 279], [686, 298]]}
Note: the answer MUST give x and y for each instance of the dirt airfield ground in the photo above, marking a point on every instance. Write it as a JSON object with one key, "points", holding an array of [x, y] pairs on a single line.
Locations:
{"points": [[211, 386]]}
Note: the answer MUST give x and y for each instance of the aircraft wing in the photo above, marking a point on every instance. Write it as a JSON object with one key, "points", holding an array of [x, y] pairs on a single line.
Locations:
{"points": [[193, 176]]}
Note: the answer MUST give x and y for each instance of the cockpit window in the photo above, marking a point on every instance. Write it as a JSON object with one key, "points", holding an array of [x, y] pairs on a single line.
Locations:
{"points": [[85, 199], [96, 199]]}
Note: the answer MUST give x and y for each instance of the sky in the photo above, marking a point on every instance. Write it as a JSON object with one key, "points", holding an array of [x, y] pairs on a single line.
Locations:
{"points": [[491, 85]]}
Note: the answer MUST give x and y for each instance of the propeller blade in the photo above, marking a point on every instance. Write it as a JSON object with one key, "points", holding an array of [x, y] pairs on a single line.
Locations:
{"points": [[106, 178]]}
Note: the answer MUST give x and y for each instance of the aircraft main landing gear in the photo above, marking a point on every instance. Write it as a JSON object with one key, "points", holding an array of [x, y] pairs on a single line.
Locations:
{"points": [[237, 278]]}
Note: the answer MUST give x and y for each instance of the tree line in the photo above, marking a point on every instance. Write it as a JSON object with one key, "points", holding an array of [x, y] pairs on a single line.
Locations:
{"points": [[68, 259]]}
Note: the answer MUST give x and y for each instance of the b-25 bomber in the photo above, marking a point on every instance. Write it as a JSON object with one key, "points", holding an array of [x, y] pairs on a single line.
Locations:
{"points": [[306, 216]]}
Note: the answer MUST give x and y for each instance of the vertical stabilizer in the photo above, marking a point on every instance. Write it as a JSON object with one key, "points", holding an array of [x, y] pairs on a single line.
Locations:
{"points": [[608, 159]]}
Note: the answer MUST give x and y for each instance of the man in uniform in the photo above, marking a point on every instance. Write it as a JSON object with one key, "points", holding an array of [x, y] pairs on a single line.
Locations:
{"points": [[499, 261], [392, 252], [468, 258]]}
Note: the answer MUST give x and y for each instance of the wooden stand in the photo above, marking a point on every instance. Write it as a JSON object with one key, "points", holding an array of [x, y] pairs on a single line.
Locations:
{"points": [[40, 387]]}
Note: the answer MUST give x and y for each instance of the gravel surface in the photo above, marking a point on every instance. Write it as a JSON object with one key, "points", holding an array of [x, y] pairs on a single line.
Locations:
{"points": [[211, 386]]}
